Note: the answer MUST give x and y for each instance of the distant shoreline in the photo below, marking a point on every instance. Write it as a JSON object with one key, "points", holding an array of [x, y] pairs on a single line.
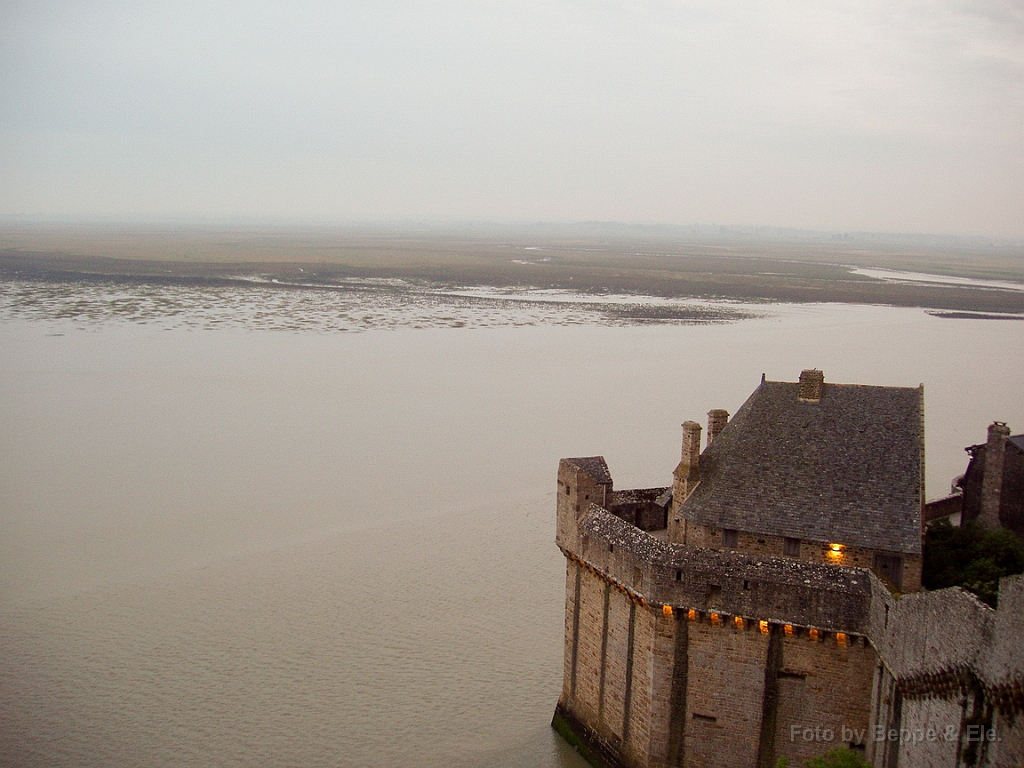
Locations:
{"points": [[770, 271]]}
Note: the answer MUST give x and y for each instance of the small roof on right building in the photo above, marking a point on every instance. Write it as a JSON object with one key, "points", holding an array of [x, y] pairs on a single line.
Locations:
{"points": [[821, 462]]}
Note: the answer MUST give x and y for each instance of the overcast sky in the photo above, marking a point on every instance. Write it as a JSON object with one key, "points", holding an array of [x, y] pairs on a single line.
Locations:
{"points": [[859, 114]]}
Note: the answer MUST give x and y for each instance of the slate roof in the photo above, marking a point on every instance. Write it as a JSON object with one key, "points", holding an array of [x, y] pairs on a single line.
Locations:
{"points": [[638, 495], [595, 466], [1018, 440], [845, 469]]}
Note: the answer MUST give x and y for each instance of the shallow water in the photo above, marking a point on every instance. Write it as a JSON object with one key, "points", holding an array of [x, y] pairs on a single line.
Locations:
{"points": [[252, 547]]}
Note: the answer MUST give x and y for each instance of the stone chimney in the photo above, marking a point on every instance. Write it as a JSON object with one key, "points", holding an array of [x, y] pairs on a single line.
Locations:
{"points": [[687, 474], [812, 382], [992, 477], [685, 479], [717, 419]]}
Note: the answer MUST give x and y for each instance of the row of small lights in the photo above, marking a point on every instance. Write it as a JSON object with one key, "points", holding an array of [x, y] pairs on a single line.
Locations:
{"points": [[790, 630], [842, 639]]}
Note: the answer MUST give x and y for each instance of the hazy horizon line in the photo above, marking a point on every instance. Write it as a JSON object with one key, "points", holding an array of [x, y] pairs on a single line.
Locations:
{"points": [[456, 225]]}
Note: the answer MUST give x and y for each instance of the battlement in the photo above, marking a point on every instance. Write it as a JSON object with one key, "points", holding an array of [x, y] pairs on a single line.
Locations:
{"points": [[732, 584]]}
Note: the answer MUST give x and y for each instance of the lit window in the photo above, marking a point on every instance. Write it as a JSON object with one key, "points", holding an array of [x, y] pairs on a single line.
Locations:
{"points": [[738, 621], [814, 635], [788, 630], [666, 610], [763, 626]]}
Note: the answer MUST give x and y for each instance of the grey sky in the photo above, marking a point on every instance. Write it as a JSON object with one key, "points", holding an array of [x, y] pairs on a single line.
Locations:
{"points": [[861, 114]]}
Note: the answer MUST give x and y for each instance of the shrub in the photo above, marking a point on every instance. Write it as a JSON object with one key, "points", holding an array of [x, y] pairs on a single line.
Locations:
{"points": [[837, 758], [971, 557]]}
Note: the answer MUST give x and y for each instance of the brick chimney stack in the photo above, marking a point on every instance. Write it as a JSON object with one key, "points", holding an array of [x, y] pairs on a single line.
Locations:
{"points": [[812, 382], [717, 419], [992, 479]]}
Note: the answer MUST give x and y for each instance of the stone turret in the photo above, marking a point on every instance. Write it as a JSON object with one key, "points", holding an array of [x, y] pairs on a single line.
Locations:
{"points": [[581, 482], [992, 479]]}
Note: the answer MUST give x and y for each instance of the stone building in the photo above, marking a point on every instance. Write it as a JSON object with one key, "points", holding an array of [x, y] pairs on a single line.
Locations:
{"points": [[991, 491], [763, 606]]}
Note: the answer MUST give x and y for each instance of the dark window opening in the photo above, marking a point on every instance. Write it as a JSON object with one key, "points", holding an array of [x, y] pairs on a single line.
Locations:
{"points": [[730, 537], [788, 674], [679, 575], [791, 548]]}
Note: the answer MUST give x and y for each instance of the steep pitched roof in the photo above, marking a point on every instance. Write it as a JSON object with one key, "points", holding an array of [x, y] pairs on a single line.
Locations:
{"points": [[846, 469], [595, 466]]}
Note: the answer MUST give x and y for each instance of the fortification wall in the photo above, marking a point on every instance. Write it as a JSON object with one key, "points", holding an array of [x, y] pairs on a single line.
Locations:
{"points": [[778, 590], [686, 656], [950, 688], [711, 674]]}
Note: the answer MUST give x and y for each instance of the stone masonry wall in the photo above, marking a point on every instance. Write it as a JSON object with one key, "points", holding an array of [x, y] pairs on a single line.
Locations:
{"points": [[824, 695], [724, 694], [812, 551]]}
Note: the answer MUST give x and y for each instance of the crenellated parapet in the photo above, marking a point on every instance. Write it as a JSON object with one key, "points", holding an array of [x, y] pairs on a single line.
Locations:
{"points": [[730, 584]]}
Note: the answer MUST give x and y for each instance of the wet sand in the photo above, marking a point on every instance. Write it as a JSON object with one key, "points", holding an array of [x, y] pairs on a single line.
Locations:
{"points": [[749, 270]]}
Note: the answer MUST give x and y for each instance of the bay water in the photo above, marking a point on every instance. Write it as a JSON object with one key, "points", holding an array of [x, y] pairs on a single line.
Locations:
{"points": [[252, 547]]}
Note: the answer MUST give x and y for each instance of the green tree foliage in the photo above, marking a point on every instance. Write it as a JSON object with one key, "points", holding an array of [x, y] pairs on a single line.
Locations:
{"points": [[971, 557], [837, 758]]}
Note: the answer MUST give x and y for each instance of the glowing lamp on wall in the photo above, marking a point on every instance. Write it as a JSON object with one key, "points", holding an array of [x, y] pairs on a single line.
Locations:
{"points": [[835, 552]]}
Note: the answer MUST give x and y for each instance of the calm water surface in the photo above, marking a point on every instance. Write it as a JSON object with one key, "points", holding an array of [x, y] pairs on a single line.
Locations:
{"points": [[294, 548]]}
